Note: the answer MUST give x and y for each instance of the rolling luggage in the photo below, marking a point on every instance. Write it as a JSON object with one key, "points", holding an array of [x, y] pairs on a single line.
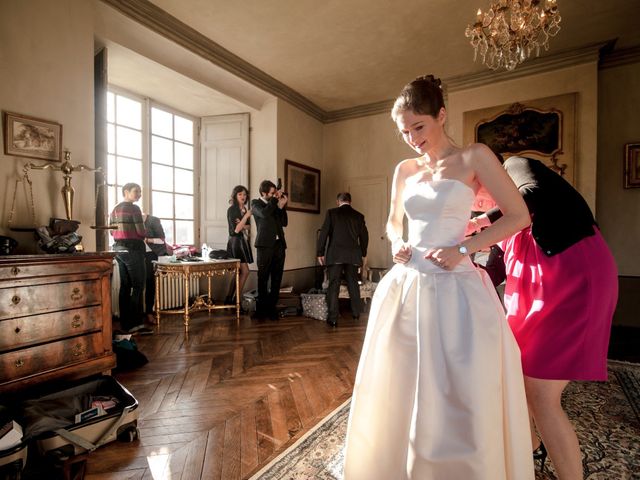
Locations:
{"points": [[66, 423]]}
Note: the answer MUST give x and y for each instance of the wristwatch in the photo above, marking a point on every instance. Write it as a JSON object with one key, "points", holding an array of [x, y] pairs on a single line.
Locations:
{"points": [[462, 249]]}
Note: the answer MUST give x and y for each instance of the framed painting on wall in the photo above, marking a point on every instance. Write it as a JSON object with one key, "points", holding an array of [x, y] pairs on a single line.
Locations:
{"points": [[302, 184], [32, 137], [632, 165], [543, 129]]}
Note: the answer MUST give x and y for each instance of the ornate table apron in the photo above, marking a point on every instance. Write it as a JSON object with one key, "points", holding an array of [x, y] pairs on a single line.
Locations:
{"points": [[188, 270]]}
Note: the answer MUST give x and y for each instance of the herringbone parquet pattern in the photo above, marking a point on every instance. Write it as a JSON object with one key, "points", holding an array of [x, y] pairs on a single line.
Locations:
{"points": [[221, 401]]}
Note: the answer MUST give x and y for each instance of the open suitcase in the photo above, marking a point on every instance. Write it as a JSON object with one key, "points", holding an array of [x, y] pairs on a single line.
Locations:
{"points": [[50, 420], [12, 461]]}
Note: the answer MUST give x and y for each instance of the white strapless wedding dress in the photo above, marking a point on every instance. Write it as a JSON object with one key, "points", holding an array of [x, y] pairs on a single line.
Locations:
{"points": [[439, 392]]}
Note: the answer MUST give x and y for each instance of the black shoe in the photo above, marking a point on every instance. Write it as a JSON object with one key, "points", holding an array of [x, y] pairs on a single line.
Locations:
{"points": [[355, 317], [540, 456], [258, 315], [140, 330], [332, 323]]}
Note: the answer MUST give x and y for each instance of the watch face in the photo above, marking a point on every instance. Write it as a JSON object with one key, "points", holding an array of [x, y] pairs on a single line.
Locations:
{"points": [[462, 249]]}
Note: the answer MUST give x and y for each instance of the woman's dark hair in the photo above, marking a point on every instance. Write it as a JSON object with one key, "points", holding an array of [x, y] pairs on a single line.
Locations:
{"points": [[422, 96], [234, 194]]}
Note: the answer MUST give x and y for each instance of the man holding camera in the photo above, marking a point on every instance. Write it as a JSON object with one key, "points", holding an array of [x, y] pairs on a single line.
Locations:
{"points": [[270, 216]]}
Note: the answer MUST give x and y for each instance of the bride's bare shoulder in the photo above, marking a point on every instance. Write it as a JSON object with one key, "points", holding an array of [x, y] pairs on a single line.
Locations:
{"points": [[407, 167]]}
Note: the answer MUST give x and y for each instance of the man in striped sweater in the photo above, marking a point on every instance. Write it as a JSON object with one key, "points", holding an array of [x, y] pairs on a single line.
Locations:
{"points": [[130, 247]]}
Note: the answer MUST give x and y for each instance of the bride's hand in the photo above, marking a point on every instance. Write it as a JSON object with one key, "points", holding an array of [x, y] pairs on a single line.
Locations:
{"points": [[401, 252], [444, 257]]}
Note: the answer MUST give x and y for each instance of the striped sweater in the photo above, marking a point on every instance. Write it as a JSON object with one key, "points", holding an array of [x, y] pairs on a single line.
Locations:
{"points": [[128, 218]]}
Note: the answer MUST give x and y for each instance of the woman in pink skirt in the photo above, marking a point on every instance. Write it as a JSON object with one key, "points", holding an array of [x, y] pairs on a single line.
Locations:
{"points": [[561, 292]]}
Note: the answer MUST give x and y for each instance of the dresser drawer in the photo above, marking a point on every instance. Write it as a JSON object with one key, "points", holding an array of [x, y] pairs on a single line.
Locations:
{"points": [[43, 358], [18, 332], [34, 299], [25, 270]]}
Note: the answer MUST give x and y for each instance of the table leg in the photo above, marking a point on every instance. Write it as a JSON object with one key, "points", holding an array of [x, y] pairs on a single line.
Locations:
{"points": [[158, 302], [186, 301], [238, 292]]}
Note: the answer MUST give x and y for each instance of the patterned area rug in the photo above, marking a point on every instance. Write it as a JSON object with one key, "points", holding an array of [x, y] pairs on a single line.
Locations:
{"points": [[606, 417]]}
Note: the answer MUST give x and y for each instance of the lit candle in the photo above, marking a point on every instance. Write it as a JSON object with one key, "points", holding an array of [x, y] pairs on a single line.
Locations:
{"points": [[479, 15]]}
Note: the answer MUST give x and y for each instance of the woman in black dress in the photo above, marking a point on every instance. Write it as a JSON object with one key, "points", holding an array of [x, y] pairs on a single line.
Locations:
{"points": [[238, 245]]}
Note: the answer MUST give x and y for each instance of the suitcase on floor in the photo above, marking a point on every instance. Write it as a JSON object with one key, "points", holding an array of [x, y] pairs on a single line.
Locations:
{"points": [[56, 424], [12, 461], [289, 305]]}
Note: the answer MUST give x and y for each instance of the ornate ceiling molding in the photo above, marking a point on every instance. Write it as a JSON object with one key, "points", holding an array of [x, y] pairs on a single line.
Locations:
{"points": [[164, 24], [568, 58], [620, 57]]}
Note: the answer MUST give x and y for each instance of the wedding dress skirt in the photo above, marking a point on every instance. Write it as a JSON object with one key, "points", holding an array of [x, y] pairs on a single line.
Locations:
{"points": [[439, 392]]}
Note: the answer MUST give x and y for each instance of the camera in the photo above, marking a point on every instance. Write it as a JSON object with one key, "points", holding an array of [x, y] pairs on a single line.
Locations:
{"points": [[279, 187]]}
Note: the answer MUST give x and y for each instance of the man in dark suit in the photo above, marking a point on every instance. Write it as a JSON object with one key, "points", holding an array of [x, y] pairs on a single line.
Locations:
{"points": [[346, 233], [270, 216]]}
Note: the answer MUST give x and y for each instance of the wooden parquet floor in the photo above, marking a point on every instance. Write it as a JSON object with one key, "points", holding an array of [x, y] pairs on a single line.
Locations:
{"points": [[223, 400]]}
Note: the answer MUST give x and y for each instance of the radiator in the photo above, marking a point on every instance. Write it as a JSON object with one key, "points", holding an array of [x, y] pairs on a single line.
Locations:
{"points": [[171, 291]]}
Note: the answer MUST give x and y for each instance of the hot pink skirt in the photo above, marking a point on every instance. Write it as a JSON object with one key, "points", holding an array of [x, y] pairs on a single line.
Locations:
{"points": [[560, 307]]}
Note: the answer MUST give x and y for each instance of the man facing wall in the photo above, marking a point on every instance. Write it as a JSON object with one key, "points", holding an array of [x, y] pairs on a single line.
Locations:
{"points": [[345, 231]]}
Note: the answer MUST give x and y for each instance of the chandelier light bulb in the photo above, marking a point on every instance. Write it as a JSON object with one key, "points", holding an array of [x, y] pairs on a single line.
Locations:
{"points": [[508, 32]]}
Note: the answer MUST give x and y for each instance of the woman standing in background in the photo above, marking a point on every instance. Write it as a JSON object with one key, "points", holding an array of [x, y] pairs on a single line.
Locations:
{"points": [[238, 215]]}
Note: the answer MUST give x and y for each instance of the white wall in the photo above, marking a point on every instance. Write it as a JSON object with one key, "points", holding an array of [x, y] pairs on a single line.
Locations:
{"points": [[46, 71], [300, 140], [618, 124]]}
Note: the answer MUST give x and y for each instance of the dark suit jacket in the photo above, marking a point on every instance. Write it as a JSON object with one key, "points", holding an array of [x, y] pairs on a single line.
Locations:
{"points": [[154, 230], [270, 221], [560, 217], [347, 234]]}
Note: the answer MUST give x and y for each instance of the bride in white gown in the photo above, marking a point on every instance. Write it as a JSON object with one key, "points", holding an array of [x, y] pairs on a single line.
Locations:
{"points": [[439, 391]]}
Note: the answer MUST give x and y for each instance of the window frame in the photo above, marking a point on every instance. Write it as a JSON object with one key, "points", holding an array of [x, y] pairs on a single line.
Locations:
{"points": [[147, 186]]}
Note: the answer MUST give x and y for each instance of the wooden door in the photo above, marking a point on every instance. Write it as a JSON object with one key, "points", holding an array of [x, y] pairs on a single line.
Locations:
{"points": [[224, 142], [370, 196]]}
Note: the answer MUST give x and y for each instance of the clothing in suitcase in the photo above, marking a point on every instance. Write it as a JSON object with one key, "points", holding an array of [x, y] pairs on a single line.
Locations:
{"points": [[56, 424]]}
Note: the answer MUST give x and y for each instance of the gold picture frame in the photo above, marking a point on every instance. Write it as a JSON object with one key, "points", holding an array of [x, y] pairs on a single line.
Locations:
{"points": [[32, 137], [632, 165], [302, 184]]}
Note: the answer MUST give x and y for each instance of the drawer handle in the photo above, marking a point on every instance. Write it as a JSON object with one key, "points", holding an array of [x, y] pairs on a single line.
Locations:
{"points": [[76, 295], [76, 322], [15, 299], [19, 363], [17, 330], [78, 350], [15, 271]]}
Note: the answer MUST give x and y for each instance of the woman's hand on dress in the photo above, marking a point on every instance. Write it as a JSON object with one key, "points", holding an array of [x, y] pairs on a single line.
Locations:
{"points": [[248, 213], [444, 257], [401, 252]]}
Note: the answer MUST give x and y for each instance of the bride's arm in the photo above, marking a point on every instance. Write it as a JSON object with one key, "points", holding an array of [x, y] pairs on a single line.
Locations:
{"points": [[489, 174], [496, 181], [401, 252]]}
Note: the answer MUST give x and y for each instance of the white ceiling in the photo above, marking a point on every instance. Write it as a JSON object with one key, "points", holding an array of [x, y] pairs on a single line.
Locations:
{"points": [[346, 53]]}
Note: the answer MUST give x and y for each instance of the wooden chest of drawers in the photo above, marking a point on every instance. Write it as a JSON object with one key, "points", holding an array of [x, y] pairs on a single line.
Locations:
{"points": [[55, 318]]}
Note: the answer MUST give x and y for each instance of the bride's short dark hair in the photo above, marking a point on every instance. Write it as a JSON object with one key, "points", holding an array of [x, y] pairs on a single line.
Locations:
{"points": [[423, 96]]}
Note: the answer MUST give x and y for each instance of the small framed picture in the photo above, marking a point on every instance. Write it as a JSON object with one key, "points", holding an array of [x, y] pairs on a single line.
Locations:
{"points": [[32, 137], [302, 184], [632, 165]]}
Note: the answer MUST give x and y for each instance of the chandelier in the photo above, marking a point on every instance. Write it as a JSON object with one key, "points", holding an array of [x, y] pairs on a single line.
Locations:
{"points": [[507, 33]]}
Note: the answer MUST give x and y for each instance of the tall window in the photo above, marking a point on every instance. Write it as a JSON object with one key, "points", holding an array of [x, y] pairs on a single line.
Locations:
{"points": [[172, 174], [154, 147]]}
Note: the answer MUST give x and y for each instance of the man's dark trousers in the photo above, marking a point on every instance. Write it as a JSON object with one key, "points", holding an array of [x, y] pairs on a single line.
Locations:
{"points": [[270, 262], [133, 272], [334, 272]]}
